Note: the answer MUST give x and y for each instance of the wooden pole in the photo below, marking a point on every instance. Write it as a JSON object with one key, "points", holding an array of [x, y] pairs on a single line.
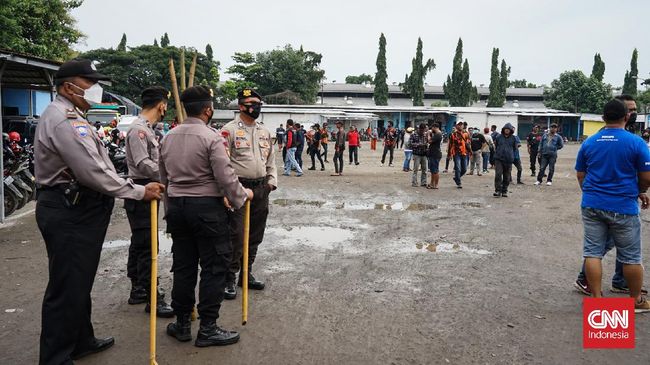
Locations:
{"points": [[192, 71], [244, 278], [153, 290], [183, 83], [177, 97]]}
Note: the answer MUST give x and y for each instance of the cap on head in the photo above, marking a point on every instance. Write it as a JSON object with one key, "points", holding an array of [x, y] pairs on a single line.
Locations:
{"points": [[79, 68], [338, 122], [196, 94], [553, 125], [247, 92]]}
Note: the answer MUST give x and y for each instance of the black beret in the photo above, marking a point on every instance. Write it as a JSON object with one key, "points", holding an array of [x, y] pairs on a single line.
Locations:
{"points": [[81, 68], [247, 92], [155, 93], [196, 94]]}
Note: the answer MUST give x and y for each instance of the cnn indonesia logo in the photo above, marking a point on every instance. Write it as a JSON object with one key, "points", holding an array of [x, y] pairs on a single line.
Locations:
{"points": [[608, 323]]}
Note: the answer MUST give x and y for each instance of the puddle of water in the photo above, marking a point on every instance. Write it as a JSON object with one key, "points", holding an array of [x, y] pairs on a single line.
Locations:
{"points": [[318, 237], [449, 248], [164, 243], [419, 206], [397, 206], [289, 202]]}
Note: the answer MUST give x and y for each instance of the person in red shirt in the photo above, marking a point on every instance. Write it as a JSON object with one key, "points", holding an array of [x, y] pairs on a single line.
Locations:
{"points": [[458, 150], [354, 142]]}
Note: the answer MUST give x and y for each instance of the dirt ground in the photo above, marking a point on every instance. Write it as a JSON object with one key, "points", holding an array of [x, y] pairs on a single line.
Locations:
{"points": [[362, 269]]}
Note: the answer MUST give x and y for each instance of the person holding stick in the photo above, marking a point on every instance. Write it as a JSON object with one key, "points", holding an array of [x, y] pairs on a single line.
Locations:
{"points": [[253, 158], [202, 185]]}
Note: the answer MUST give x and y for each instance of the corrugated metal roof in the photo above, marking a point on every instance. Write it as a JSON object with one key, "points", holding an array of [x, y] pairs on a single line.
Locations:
{"points": [[428, 89]]}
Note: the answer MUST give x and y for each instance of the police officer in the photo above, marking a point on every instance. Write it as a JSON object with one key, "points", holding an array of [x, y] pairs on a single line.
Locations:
{"points": [[253, 159], [77, 185], [202, 184], [142, 161]]}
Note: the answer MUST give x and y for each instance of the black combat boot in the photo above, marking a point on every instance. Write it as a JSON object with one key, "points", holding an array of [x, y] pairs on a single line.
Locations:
{"points": [[163, 310], [211, 335], [181, 329], [230, 292], [138, 294], [253, 283]]}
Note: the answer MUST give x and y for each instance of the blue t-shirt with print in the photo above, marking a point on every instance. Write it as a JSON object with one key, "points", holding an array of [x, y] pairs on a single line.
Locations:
{"points": [[518, 142], [612, 158]]}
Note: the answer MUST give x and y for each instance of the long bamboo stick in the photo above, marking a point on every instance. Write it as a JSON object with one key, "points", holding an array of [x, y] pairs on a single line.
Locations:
{"points": [[177, 97], [183, 83], [192, 71]]}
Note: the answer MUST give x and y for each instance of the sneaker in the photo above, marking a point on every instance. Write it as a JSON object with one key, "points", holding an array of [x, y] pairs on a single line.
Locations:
{"points": [[625, 290], [582, 286], [537, 183], [459, 186], [414, 185], [520, 183], [286, 174], [504, 195], [643, 306], [322, 169], [311, 168], [479, 174], [549, 183], [298, 175], [471, 173], [496, 194], [533, 174], [445, 171], [390, 165], [382, 164]]}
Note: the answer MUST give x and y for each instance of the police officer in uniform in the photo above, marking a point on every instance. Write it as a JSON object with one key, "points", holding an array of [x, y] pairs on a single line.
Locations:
{"points": [[77, 185], [142, 161], [202, 185], [253, 159]]}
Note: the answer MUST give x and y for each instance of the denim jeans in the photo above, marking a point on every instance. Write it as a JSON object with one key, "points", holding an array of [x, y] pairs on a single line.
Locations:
{"points": [[460, 167], [601, 226], [291, 162], [419, 163], [486, 160], [434, 165], [354, 153], [407, 159], [618, 279], [547, 160]]}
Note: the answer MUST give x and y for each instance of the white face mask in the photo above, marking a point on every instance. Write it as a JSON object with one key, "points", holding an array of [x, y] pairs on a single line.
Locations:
{"points": [[93, 95]]}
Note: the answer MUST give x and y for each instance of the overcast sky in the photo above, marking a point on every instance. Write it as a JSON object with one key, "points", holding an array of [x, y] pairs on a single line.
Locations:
{"points": [[539, 39]]}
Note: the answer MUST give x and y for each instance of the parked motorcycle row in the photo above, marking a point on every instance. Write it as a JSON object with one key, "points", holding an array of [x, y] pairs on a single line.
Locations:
{"points": [[18, 172]]}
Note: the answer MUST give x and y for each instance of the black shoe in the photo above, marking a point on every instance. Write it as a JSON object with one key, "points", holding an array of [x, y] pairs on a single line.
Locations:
{"points": [[496, 194], [230, 292], [322, 169], [138, 295], [520, 182], [95, 346], [504, 195], [253, 283], [182, 328], [533, 174], [212, 335], [356, 163], [311, 168], [163, 310]]}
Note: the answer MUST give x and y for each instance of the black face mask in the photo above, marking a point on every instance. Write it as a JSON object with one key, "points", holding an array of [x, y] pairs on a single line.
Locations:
{"points": [[632, 118], [253, 110]]}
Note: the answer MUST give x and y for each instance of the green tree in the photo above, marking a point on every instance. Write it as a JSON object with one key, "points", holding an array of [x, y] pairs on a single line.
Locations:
{"points": [[494, 98], [122, 45], [414, 83], [598, 70], [630, 81], [155, 42], [360, 79], [522, 84], [381, 85], [147, 65], [164, 40], [280, 70], [574, 91], [208, 51], [43, 28], [503, 81], [458, 89], [643, 101]]}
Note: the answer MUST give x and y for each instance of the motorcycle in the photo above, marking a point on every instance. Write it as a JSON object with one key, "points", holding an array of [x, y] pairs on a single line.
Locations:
{"points": [[19, 182], [117, 156]]}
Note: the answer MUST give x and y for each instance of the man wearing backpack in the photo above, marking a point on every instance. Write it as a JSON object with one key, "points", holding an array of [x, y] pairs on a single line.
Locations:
{"points": [[390, 139]]}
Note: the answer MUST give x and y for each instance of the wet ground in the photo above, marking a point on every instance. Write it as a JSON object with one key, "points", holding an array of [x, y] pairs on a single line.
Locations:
{"points": [[362, 269]]}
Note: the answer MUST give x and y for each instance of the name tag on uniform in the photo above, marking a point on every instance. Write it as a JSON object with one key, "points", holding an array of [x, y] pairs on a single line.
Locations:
{"points": [[240, 133]]}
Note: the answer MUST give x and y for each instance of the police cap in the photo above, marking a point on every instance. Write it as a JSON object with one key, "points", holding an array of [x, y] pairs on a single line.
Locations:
{"points": [[196, 94], [154, 94], [248, 92], [79, 68]]}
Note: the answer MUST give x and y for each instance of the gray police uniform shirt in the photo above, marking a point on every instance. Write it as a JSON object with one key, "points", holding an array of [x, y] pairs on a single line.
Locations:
{"points": [[251, 152], [194, 163], [142, 151], [67, 146]]}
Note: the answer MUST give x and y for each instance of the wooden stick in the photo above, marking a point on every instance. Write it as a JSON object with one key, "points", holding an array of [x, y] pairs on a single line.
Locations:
{"points": [[183, 84], [244, 278], [192, 70], [154, 287], [177, 97]]}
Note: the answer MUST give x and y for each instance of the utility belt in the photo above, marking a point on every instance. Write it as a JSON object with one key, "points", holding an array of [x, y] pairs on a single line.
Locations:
{"points": [[73, 193], [252, 183]]}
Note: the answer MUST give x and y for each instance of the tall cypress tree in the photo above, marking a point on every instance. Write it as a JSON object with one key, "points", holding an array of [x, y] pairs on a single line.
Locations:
{"points": [[164, 40], [155, 42], [598, 71], [414, 83], [503, 82], [452, 87], [381, 85], [495, 94], [122, 45], [630, 81], [208, 51]]}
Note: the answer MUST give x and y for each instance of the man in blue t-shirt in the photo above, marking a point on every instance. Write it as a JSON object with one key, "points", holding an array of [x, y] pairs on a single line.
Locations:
{"points": [[613, 169]]}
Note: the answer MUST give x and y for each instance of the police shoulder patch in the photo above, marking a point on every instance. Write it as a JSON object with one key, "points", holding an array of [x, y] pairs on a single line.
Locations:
{"points": [[81, 128], [142, 134]]}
